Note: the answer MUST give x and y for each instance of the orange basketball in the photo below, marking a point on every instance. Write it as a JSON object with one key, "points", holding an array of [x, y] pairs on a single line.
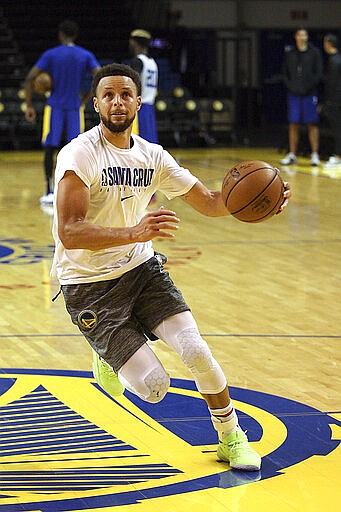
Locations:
{"points": [[42, 83], [252, 191]]}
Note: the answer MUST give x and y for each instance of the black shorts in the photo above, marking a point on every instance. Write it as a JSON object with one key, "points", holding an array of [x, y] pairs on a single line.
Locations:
{"points": [[118, 316]]}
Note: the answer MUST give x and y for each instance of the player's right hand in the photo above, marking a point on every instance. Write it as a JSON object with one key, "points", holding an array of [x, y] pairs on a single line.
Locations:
{"points": [[156, 224]]}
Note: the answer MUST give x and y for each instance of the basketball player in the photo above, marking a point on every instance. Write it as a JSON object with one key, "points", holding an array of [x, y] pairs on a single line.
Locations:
{"points": [[68, 65], [145, 122], [302, 73], [114, 284]]}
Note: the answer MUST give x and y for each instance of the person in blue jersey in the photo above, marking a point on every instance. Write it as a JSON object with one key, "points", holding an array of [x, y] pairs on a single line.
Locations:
{"points": [[68, 65]]}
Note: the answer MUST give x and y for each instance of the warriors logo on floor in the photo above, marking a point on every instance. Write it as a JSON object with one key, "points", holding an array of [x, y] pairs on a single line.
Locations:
{"points": [[67, 446]]}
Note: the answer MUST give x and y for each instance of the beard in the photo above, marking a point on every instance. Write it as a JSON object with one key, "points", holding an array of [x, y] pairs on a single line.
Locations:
{"points": [[116, 127]]}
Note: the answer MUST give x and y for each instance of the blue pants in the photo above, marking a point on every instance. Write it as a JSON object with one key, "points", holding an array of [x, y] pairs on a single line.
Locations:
{"points": [[145, 123], [58, 121]]}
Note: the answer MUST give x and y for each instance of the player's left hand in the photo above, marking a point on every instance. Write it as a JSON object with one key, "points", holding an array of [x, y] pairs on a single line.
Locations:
{"points": [[287, 194]]}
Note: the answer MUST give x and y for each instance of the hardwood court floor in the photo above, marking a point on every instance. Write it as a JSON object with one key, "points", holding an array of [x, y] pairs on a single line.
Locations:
{"points": [[267, 299]]}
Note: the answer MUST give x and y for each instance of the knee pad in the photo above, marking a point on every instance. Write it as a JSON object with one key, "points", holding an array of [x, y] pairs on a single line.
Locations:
{"points": [[157, 382], [197, 356], [150, 388], [181, 333], [194, 350]]}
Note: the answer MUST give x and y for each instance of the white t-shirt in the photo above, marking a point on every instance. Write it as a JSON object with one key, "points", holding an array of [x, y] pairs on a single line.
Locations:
{"points": [[121, 183]]}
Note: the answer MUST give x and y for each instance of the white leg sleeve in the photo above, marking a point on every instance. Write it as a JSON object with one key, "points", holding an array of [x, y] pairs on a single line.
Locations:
{"points": [[145, 376], [181, 333]]}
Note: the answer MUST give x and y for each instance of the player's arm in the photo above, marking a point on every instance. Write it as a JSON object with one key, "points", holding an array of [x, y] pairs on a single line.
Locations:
{"points": [[76, 232], [30, 112], [207, 202], [136, 64], [210, 203]]}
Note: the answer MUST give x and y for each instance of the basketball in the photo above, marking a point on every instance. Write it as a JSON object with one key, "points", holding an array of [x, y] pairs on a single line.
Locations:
{"points": [[42, 83], [252, 191]]}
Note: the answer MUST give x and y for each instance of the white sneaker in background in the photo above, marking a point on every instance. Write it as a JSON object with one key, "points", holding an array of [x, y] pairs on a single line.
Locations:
{"points": [[332, 162], [315, 159], [289, 159], [47, 199]]}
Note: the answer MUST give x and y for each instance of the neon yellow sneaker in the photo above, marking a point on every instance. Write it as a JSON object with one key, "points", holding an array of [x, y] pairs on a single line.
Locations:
{"points": [[235, 450], [106, 377]]}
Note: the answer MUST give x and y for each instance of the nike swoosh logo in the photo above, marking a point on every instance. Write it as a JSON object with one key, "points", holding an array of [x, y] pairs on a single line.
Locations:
{"points": [[126, 197]]}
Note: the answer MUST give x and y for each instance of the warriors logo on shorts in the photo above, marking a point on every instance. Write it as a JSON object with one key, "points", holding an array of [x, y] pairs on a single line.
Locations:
{"points": [[87, 319]]}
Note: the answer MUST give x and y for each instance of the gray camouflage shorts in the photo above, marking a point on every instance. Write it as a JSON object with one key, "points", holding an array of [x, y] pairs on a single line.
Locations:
{"points": [[117, 316]]}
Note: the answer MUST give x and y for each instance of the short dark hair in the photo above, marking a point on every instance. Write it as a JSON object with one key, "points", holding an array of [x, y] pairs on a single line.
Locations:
{"points": [[332, 39], [69, 28], [299, 30], [116, 70]]}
